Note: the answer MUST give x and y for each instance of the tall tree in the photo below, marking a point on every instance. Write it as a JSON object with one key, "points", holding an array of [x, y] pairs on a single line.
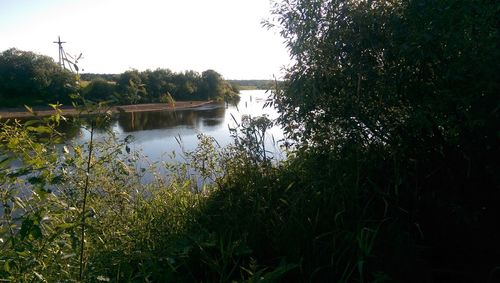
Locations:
{"points": [[130, 88], [414, 83], [30, 78], [383, 71], [212, 84], [158, 83]]}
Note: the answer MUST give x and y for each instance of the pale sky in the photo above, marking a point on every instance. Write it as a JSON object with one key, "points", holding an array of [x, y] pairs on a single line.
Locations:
{"points": [[118, 35]]}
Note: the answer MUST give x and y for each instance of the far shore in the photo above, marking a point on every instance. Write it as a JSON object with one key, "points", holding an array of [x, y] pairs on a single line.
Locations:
{"points": [[71, 111]]}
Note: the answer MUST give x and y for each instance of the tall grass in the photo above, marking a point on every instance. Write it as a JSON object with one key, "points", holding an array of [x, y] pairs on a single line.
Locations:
{"points": [[313, 217]]}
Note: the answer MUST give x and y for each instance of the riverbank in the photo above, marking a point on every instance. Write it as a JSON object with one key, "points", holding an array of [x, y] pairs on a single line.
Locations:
{"points": [[71, 111]]}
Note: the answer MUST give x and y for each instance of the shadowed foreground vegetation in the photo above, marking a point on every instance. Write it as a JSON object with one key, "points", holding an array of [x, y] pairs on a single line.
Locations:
{"points": [[391, 110]]}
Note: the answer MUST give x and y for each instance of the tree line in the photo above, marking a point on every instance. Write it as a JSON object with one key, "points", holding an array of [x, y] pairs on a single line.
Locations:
{"points": [[160, 85], [254, 84], [27, 78]]}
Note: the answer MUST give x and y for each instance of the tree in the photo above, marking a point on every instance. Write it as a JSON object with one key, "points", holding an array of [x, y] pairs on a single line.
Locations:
{"points": [[212, 84], [99, 90], [158, 82], [381, 71], [130, 88], [407, 90], [30, 78], [186, 85]]}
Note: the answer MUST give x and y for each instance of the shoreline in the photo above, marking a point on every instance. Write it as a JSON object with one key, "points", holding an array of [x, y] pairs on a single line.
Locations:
{"points": [[70, 111]]}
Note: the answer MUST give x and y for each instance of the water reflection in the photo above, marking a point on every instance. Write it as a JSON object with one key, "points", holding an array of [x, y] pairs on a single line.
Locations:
{"points": [[156, 133], [207, 116]]}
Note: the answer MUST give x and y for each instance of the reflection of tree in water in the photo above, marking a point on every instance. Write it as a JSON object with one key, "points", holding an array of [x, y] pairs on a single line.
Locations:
{"points": [[139, 121], [70, 128]]}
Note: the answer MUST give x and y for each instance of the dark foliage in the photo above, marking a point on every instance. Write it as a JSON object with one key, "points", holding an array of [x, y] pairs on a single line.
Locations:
{"points": [[418, 81], [33, 79], [155, 86]]}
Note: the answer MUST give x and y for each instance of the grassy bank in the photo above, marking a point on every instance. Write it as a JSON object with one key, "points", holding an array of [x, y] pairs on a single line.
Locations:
{"points": [[248, 219]]}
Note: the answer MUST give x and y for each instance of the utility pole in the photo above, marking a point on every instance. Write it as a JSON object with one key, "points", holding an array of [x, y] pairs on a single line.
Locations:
{"points": [[63, 57], [61, 52]]}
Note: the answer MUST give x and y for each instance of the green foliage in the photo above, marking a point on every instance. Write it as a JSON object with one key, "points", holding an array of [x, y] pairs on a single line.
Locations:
{"points": [[29, 78], [411, 86], [34, 227], [158, 82], [253, 84], [151, 86], [249, 137], [393, 110], [163, 231], [390, 73], [130, 88], [167, 98], [99, 90]]}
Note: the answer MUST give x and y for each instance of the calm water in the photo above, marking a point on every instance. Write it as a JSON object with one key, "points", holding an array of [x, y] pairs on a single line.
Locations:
{"points": [[155, 132]]}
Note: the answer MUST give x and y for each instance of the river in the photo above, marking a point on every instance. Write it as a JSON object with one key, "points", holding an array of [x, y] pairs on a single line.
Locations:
{"points": [[156, 133]]}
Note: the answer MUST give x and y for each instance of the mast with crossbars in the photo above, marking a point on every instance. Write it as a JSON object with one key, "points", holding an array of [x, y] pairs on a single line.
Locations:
{"points": [[63, 57], [61, 51]]}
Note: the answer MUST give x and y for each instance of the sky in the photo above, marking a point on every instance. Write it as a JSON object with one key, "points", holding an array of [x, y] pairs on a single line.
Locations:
{"points": [[118, 35]]}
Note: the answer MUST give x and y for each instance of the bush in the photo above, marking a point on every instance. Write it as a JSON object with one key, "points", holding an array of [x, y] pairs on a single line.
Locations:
{"points": [[168, 99]]}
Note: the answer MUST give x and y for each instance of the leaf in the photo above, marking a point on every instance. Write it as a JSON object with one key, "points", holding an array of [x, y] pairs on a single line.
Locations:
{"points": [[31, 228], [65, 226], [78, 151], [19, 202], [39, 129], [57, 179], [54, 106], [35, 180], [39, 276], [6, 266], [31, 122], [68, 256], [41, 192], [5, 162], [103, 278], [26, 227]]}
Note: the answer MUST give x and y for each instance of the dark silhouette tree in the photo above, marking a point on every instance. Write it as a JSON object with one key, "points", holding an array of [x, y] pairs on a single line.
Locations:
{"points": [[412, 86]]}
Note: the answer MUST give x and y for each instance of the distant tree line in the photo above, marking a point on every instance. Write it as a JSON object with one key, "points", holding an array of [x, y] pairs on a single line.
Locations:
{"points": [[160, 85], [254, 84], [27, 78], [92, 76]]}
